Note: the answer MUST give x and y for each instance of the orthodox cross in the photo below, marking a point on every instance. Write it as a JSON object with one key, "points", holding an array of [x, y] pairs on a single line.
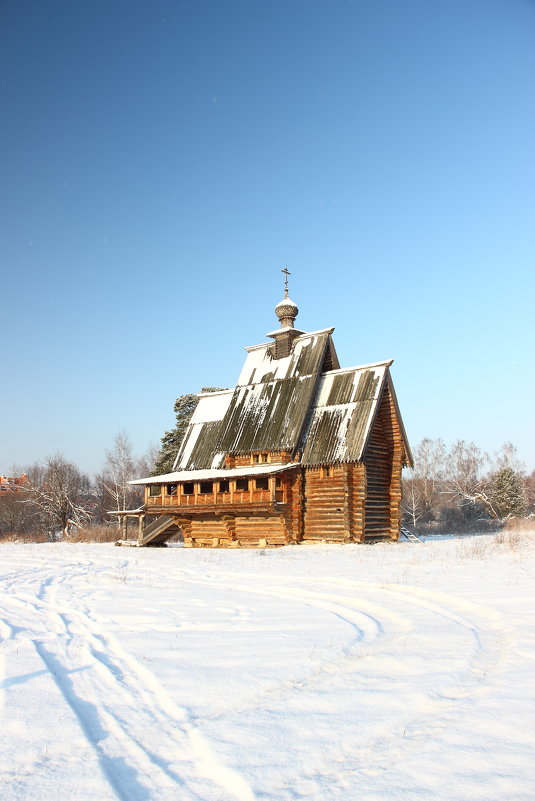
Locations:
{"points": [[286, 274]]}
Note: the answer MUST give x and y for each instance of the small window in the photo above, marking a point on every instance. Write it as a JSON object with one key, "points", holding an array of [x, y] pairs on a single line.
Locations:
{"points": [[155, 489], [171, 489], [206, 487], [187, 488], [242, 484], [264, 458], [327, 472], [256, 458], [278, 482], [224, 486], [262, 483]]}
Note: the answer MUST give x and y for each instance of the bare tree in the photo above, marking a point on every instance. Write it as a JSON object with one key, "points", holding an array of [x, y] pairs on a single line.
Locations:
{"points": [[59, 495], [120, 468], [508, 457], [147, 462], [467, 481], [423, 484]]}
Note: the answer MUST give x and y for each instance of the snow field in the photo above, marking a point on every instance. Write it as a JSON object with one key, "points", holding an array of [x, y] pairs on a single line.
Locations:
{"points": [[392, 671]]}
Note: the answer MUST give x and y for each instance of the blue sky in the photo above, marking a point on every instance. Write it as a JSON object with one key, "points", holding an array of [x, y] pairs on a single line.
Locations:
{"points": [[160, 162]]}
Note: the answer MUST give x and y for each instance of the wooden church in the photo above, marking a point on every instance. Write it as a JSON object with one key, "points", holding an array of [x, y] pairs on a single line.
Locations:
{"points": [[299, 450]]}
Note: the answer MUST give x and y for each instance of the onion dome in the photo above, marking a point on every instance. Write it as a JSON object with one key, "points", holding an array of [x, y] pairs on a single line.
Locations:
{"points": [[286, 311]]}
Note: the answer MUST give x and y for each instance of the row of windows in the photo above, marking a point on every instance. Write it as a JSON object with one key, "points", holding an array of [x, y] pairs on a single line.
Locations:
{"points": [[207, 487], [259, 458]]}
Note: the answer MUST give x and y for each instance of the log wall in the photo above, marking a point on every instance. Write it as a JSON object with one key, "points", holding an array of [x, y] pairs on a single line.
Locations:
{"points": [[398, 459], [253, 531], [357, 497], [383, 463], [326, 504], [261, 531]]}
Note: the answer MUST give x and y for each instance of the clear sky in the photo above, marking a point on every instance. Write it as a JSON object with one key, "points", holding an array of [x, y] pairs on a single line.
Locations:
{"points": [[161, 161]]}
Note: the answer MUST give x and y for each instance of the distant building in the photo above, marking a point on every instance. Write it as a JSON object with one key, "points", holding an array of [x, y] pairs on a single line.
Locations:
{"points": [[12, 484], [300, 450]]}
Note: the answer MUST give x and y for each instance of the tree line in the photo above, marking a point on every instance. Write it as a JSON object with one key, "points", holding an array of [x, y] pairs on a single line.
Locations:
{"points": [[57, 499], [460, 488]]}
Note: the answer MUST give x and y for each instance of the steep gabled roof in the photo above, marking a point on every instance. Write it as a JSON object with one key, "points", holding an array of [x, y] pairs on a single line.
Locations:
{"points": [[343, 413], [408, 460], [297, 403], [267, 409]]}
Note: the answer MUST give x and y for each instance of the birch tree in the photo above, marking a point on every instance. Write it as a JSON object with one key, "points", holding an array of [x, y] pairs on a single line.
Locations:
{"points": [[423, 484], [120, 467]]}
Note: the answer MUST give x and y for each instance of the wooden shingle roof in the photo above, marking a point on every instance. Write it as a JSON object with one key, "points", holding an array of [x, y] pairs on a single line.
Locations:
{"points": [[342, 415], [266, 411], [296, 404]]}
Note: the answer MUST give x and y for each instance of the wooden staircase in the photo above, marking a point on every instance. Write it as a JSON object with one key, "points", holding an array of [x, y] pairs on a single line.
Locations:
{"points": [[159, 531], [404, 532], [155, 534]]}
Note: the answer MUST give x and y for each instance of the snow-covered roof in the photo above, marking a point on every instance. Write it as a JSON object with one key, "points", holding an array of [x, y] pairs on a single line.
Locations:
{"points": [[209, 475], [278, 331], [300, 403], [267, 409], [260, 366], [343, 413], [126, 511]]}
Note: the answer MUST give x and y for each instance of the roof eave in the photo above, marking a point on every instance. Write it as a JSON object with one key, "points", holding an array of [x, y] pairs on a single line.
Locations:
{"points": [[216, 473], [408, 453]]}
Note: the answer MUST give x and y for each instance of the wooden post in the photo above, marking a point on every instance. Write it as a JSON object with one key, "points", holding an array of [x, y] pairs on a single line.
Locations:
{"points": [[141, 527]]}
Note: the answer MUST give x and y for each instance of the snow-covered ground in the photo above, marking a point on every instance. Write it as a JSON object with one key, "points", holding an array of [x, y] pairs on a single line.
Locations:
{"points": [[392, 671]]}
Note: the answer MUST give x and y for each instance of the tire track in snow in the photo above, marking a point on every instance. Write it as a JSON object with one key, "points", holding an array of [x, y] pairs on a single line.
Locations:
{"points": [[397, 609], [144, 742], [361, 615], [492, 639], [489, 634], [119, 667], [439, 705]]}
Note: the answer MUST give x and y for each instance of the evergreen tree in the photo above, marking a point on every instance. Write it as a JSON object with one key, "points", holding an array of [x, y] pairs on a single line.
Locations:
{"points": [[184, 407], [506, 493]]}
